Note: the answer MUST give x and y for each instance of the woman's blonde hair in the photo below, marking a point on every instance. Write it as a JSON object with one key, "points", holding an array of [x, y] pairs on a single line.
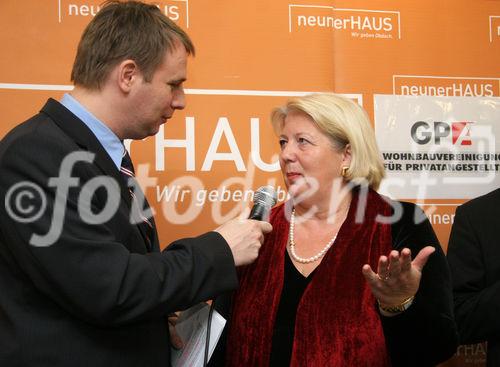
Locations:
{"points": [[345, 122]]}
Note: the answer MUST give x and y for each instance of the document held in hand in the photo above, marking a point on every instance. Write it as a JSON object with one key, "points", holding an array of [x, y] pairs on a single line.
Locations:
{"points": [[192, 328]]}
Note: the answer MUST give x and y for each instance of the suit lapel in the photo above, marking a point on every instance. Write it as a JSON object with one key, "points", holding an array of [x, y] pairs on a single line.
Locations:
{"points": [[83, 136]]}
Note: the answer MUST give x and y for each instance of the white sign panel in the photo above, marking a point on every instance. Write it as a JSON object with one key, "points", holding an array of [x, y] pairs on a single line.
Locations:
{"points": [[438, 147]]}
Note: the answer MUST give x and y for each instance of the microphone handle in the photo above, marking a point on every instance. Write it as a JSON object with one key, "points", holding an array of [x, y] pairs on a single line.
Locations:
{"points": [[258, 212]]}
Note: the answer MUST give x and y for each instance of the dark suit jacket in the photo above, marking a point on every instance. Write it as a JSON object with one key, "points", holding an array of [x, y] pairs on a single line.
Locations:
{"points": [[474, 258], [96, 297]]}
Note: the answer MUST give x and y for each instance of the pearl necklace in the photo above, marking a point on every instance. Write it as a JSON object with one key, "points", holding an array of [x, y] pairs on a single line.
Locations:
{"points": [[307, 260]]}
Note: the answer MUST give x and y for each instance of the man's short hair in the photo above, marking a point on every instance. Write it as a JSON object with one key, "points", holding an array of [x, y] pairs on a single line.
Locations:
{"points": [[125, 30]]}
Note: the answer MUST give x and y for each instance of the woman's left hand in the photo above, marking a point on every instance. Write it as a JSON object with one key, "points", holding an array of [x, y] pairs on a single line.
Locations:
{"points": [[397, 277]]}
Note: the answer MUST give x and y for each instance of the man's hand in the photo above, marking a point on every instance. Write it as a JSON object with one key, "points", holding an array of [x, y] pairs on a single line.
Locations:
{"points": [[175, 339], [245, 237]]}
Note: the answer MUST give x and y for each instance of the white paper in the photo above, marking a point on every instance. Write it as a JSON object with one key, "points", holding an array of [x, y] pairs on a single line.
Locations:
{"points": [[192, 328]]}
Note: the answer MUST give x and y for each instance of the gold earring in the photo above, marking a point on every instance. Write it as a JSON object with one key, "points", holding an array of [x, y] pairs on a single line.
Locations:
{"points": [[344, 171]]}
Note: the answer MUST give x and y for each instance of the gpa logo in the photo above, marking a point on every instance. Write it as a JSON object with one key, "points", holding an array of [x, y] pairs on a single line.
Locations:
{"points": [[423, 133]]}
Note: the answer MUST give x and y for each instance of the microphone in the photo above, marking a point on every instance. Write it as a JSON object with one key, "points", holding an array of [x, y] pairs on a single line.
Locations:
{"points": [[264, 199]]}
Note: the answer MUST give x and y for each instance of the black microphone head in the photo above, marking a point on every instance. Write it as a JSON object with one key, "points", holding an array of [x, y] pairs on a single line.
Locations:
{"points": [[264, 199]]}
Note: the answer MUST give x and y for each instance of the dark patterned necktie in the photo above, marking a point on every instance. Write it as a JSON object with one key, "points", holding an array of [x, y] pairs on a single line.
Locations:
{"points": [[145, 224]]}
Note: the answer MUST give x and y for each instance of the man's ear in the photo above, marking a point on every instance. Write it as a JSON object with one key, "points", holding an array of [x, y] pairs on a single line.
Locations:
{"points": [[128, 74]]}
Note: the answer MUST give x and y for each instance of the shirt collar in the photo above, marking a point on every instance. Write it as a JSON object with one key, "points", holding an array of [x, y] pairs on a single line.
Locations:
{"points": [[110, 142]]}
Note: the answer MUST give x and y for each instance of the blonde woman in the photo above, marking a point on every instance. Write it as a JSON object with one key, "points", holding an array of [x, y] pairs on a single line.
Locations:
{"points": [[335, 283]]}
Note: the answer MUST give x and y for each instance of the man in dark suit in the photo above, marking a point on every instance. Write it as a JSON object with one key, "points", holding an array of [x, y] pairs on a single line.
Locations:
{"points": [[82, 280], [474, 258]]}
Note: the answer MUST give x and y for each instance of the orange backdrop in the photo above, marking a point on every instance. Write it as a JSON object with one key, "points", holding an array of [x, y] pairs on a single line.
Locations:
{"points": [[252, 56]]}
